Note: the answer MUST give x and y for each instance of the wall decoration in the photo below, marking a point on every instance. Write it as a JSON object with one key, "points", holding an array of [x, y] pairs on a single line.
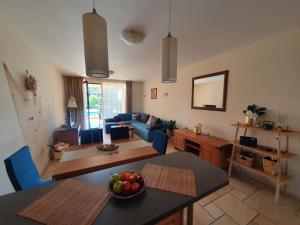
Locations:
{"points": [[154, 93], [11, 80], [31, 84]]}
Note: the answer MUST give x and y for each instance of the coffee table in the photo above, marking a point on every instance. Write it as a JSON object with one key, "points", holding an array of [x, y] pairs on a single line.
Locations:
{"points": [[130, 128]]}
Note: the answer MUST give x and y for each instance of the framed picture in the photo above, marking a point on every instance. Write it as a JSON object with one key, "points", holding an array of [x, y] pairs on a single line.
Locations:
{"points": [[154, 93]]}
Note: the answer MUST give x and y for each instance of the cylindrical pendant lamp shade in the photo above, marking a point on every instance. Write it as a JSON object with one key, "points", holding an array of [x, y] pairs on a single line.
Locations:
{"points": [[95, 45], [169, 59]]}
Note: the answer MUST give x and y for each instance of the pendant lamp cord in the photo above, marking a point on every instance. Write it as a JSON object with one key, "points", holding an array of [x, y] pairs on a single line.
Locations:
{"points": [[170, 16], [94, 5]]}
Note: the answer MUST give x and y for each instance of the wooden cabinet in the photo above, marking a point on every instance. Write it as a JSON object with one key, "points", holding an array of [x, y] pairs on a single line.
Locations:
{"points": [[179, 141], [67, 135], [212, 155], [175, 219], [209, 148]]}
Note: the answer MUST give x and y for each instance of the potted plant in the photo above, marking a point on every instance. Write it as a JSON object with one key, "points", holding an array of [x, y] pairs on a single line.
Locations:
{"points": [[253, 112], [169, 127], [56, 151]]}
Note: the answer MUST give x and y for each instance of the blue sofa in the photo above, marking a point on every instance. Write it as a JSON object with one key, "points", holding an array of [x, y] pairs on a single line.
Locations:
{"points": [[141, 129]]}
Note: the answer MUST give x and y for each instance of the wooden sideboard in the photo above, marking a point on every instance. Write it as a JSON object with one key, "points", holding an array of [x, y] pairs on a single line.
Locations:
{"points": [[208, 148], [67, 135]]}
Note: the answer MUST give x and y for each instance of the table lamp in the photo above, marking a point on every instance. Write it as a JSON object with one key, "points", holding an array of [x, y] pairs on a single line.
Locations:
{"points": [[71, 105]]}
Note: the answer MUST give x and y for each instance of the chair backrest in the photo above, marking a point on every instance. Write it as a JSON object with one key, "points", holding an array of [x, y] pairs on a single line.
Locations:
{"points": [[91, 136], [21, 170], [160, 142]]}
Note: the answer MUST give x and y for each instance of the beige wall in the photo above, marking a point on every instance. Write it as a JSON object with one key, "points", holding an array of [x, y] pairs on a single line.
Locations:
{"points": [[48, 113], [210, 93], [266, 73]]}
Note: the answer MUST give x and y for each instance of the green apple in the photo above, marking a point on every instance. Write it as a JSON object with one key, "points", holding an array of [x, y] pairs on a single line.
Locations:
{"points": [[116, 177], [117, 188]]}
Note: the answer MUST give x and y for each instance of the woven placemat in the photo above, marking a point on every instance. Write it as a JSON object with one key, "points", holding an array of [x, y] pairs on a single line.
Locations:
{"points": [[171, 179], [70, 202]]}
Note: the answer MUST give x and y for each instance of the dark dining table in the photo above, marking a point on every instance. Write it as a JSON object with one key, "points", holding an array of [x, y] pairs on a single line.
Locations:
{"points": [[150, 207]]}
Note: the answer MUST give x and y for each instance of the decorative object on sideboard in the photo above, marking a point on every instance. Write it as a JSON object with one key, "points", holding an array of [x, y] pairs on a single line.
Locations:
{"points": [[153, 93], [268, 125], [281, 121], [169, 127], [169, 55], [71, 105], [57, 150], [248, 141], [198, 129], [270, 165], [252, 113], [245, 158], [95, 44], [31, 84]]}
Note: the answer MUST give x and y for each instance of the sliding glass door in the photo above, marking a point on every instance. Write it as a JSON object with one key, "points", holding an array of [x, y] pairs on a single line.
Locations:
{"points": [[93, 105], [103, 100]]}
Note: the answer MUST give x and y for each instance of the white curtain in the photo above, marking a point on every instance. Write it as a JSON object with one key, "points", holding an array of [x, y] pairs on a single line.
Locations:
{"points": [[113, 98]]}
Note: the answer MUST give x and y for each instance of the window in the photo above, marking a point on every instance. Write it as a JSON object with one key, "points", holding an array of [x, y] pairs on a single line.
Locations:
{"points": [[103, 100]]}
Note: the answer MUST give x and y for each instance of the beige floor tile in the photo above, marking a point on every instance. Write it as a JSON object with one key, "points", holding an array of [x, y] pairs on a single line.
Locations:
{"points": [[224, 220], [236, 209], [201, 217], [213, 196], [238, 194], [264, 203], [214, 210], [261, 220], [269, 193], [243, 186], [224, 190], [208, 199]]}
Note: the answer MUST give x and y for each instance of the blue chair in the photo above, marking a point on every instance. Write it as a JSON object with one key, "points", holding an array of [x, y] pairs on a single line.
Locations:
{"points": [[22, 171], [160, 142], [118, 132], [91, 136]]}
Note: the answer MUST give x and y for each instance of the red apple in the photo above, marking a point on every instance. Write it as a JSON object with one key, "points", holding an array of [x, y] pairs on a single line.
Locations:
{"points": [[132, 179], [135, 187], [126, 188], [123, 176]]}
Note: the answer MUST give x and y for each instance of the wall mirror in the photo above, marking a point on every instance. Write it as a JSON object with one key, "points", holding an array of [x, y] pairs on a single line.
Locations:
{"points": [[209, 91]]}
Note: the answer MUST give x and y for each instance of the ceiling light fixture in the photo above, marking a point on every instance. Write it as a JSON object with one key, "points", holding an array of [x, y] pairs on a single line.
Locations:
{"points": [[95, 44], [132, 37], [169, 55]]}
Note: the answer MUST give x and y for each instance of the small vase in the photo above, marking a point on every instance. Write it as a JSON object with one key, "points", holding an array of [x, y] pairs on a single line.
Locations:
{"points": [[248, 120]]}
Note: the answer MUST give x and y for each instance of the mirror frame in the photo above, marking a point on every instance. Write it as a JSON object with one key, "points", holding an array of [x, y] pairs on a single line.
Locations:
{"points": [[225, 73]]}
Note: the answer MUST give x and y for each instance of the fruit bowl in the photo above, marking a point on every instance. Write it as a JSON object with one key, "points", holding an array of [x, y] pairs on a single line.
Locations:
{"points": [[107, 148], [126, 185]]}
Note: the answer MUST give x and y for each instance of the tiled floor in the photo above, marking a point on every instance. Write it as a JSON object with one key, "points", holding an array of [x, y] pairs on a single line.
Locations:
{"points": [[243, 201]]}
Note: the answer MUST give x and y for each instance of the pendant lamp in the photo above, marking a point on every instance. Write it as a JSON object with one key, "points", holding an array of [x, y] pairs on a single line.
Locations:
{"points": [[95, 44], [169, 55]]}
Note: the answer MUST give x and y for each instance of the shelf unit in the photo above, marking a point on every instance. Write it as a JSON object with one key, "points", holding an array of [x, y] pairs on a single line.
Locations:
{"points": [[282, 177]]}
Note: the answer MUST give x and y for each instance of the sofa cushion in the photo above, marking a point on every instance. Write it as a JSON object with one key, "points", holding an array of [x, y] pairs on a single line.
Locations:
{"points": [[153, 122], [117, 119], [125, 116], [144, 118]]}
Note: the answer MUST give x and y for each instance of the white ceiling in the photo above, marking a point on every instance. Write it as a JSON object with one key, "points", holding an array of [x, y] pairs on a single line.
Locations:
{"points": [[204, 28]]}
